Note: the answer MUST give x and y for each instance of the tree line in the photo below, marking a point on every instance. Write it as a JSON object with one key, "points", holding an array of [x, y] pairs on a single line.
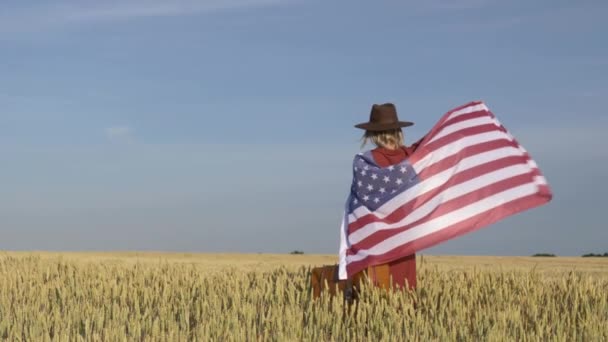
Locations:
{"points": [[605, 255]]}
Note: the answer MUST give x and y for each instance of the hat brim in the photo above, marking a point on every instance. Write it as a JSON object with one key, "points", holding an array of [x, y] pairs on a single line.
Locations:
{"points": [[374, 126]]}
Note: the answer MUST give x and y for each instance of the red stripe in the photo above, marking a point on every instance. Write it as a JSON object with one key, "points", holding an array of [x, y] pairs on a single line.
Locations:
{"points": [[427, 149], [545, 190], [461, 228], [457, 119], [445, 164], [444, 119], [466, 152], [460, 134], [465, 117], [446, 208]]}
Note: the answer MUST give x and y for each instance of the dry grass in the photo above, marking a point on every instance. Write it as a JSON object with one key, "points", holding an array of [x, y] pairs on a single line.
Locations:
{"points": [[262, 261], [231, 297]]}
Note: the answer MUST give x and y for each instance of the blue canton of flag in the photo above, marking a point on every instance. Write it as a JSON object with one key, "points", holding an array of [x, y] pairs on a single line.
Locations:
{"points": [[373, 185]]}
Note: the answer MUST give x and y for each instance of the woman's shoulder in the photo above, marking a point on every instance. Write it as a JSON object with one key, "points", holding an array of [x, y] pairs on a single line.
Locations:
{"points": [[363, 155], [363, 158]]}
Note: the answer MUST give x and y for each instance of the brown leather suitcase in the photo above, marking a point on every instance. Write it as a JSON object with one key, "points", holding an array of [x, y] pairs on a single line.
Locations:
{"points": [[325, 279]]}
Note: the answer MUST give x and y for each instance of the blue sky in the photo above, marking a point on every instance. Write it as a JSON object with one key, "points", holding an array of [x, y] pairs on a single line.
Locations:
{"points": [[227, 126]]}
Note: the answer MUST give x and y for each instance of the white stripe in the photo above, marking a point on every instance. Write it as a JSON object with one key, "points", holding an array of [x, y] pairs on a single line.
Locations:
{"points": [[457, 146], [442, 197], [441, 177], [484, 120], [344, 245], [468, 110], [442, 222], [540, 180]]}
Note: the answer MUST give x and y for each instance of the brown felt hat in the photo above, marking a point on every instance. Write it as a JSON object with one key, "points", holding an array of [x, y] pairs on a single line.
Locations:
{"points": [[383, 117]]}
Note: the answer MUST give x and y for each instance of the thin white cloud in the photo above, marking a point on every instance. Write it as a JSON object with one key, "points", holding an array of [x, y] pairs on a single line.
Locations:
{"points": [[68, 13], [118, 133]]}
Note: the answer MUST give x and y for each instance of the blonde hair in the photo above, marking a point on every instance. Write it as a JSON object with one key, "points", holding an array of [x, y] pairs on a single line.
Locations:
{"points": [[393, 137]]}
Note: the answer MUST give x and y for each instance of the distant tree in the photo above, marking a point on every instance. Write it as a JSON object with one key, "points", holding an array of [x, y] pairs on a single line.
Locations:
{"points": [[593, 255], [297, 252], [543, 255]]}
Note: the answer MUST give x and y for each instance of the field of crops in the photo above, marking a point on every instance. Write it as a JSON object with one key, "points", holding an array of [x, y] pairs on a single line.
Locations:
{"points": [[184, 297]]}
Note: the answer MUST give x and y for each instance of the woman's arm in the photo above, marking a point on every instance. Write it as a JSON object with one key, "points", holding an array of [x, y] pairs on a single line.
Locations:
{"points": [[415, 145]]}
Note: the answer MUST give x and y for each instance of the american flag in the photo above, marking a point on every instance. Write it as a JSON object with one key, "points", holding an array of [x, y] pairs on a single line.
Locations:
{"points": [[467, 172]]}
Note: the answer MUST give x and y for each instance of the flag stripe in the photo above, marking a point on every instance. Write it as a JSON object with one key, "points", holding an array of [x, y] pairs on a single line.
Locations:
{"points": [[463, 110], [465, 117], [447, 233], [424, 193], [435, 181], [467, 109], [439, 206], [455, 127], [431, 159], [441, 178], [459, 215], [459, 186], [454, 143], [484, 150]]}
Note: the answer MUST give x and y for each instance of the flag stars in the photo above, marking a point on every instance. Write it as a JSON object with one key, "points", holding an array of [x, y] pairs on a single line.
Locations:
{"points": [[373, 186]]}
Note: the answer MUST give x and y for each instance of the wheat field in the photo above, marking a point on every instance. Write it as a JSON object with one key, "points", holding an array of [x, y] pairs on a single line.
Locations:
{"points": [[230, 297]]}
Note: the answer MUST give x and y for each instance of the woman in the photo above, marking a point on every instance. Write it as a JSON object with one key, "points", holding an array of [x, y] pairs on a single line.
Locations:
{"points": [[384, 131]]}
